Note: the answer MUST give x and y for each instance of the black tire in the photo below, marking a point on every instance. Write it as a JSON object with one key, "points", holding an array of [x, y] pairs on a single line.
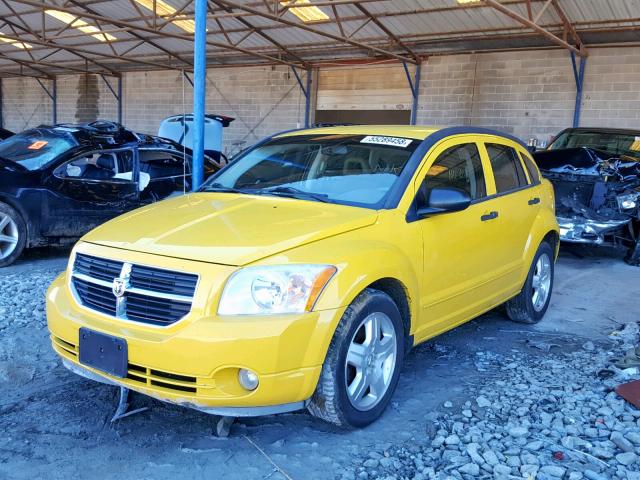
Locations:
{"points": [[330, 401], [521, 307], [633, 255], [17, 219]]}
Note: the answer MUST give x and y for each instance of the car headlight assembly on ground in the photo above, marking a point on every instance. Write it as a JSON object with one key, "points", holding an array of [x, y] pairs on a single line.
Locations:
{"points": [[278, 289]]}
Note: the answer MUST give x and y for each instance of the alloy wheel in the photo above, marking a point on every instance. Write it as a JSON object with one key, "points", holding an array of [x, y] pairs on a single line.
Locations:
{"points": [[541, 282], [9, 235], [371, 361]]}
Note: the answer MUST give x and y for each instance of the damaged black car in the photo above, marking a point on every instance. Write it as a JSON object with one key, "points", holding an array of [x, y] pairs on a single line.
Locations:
{"points": [[58, 182], [596, 175]]}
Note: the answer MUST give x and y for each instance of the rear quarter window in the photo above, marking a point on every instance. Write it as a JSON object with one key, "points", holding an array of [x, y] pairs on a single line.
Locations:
{"points": [[532, 170]]}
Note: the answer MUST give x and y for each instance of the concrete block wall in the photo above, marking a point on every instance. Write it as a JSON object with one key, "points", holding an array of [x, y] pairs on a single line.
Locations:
{"points": [[611, 94], [263, 100], [529, 94], [24, 103]]}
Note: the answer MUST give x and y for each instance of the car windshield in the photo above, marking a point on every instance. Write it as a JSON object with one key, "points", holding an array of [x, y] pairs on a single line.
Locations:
{"points": [[617, 144], [345, 169], [35, 148]]}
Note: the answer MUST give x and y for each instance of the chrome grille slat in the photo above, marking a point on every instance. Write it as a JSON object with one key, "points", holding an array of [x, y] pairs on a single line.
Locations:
{"points": [[148, 295]]}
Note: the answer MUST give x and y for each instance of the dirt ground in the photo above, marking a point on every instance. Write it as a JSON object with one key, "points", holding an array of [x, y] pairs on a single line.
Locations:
{"points": [[56, 425]]}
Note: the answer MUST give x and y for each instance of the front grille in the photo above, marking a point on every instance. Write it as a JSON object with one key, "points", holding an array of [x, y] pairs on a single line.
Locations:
{"points": [[97, 267], [140, 374], [159, 311], [95, 296], [164, 281], [145, 294]]}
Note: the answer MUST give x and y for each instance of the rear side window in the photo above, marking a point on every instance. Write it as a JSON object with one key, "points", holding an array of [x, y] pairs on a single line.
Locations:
{"points": [[458, 167], [534, 176], [507, 169]]}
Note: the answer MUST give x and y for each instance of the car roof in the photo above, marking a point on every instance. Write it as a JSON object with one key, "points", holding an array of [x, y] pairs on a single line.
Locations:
{"points": [[625, 131], [418, 132]]}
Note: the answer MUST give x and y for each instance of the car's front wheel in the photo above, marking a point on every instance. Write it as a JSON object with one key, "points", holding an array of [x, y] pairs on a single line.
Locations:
{"points": [[361, 370], [13, 235], [530, 305]]}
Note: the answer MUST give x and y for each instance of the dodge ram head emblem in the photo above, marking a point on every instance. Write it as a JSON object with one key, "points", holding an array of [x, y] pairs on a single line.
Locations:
{"points": [[119, 285]]}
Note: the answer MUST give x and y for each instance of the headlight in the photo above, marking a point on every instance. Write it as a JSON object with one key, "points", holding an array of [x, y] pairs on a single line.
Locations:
{"points": [[628, 202], [274, 289]]}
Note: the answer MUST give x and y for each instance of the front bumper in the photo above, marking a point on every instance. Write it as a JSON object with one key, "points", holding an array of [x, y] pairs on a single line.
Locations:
{"points": [[588, 231], [195, 362]]}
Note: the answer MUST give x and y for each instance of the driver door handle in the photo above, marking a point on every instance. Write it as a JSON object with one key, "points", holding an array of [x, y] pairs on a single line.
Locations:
{"points": [[489, 216], [534, 201]]}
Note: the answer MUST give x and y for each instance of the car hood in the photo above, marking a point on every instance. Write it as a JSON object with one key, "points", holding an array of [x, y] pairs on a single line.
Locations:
{"points": [[226, 228], [589, 162]]}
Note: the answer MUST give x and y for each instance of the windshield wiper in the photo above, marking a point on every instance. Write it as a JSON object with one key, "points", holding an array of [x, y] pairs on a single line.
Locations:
{"points": [[293, 192], [217, 187]]}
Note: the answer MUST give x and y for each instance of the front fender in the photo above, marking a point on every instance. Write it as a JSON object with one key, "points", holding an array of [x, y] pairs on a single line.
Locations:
{"points": [[362, 258]]}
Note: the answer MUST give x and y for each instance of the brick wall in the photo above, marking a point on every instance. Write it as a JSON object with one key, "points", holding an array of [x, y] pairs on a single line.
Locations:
{"points": [[529, 94], [611, 94], [24, 103], [526, 94], [263, 100]]}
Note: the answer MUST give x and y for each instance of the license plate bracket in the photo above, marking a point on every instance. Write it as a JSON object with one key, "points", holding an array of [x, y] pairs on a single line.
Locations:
{"points": [[103, 352]]}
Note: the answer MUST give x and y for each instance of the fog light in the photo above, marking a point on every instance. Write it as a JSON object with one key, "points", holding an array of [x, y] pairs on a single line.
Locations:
{"points": [[248, 379]]}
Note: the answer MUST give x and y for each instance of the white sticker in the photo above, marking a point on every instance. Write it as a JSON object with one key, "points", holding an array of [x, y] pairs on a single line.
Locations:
{"points": [[391, 141]]}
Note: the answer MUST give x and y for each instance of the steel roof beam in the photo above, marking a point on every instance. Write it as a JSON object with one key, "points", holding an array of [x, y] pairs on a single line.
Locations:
{"points": [[140, 28], [259, 31], [309, 29], [394, 38], [568, 24], [525, 21]]}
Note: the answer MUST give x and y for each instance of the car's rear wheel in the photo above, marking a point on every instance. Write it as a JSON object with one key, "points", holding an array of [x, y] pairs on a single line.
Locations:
{"points": [[13, 235], [361, 370], [530, 305]]}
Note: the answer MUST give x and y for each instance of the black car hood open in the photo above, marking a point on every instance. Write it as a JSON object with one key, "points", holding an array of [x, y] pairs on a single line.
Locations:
{"points": [[588, 161]]}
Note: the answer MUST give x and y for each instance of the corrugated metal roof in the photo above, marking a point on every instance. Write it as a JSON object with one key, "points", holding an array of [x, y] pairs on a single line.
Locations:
{"points": [[238, 36]]}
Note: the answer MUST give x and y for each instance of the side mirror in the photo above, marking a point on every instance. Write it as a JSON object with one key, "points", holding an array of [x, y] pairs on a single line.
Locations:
{"points": [[444, 200]]}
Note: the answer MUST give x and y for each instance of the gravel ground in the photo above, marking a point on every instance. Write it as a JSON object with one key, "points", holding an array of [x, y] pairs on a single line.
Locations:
{"points": [[490, 399]]}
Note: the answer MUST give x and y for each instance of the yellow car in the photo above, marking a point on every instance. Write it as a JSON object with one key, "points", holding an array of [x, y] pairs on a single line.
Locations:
{"points": [[301, 274]]}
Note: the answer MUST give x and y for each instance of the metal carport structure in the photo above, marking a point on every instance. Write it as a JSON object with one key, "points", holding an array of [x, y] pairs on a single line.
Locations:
{"points": [[47, 39]]}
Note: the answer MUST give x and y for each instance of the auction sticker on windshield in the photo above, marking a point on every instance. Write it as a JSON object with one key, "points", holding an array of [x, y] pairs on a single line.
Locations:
{"points": [[391, 141]]}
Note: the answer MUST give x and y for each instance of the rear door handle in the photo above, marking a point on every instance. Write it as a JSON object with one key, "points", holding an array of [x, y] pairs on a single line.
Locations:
{"points": [[534, 201], [489, 216]]}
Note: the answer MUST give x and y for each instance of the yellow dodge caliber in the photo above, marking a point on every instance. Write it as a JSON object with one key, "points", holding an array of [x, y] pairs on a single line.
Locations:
{"points": [[300, 275]]}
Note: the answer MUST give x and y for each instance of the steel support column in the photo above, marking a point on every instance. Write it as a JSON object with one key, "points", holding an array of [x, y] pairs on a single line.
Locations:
{"points": [[54, 100], [52, 93], [306, 91], [116, 94], [414, 85], [578, 74], [120, 99], [199, 91]]}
